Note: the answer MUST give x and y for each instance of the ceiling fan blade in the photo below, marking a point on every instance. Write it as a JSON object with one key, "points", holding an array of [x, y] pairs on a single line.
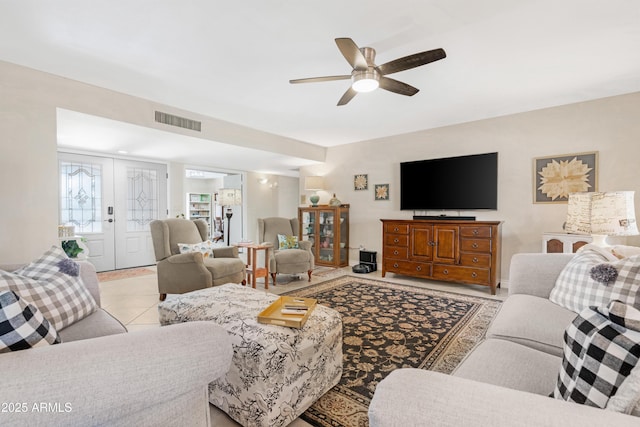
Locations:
{"points": [[320, 79], [348, 96], [397, 87], [411, 61], [352, 53]]}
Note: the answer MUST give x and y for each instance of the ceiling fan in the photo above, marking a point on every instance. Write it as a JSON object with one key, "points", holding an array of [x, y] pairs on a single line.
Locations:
{"points": [[366, 76]]}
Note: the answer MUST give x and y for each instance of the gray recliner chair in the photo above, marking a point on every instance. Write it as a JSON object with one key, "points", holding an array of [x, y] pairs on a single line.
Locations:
{"points": [[288, 261], [179, 273]]}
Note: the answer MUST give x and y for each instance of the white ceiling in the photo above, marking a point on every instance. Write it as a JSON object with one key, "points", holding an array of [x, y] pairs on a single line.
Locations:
{"points": [[233, 60]]}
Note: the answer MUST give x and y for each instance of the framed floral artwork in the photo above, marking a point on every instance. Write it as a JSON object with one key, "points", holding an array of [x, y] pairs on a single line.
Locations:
{"points": [[361, 182], [555, 177], [381, 191]]}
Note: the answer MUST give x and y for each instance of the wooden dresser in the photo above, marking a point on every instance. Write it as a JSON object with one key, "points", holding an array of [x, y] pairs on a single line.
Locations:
{"points": [[447, 250]]}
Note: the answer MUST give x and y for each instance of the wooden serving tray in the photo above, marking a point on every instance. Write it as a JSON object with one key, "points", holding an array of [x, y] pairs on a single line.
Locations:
{"points": [[272, 315]]}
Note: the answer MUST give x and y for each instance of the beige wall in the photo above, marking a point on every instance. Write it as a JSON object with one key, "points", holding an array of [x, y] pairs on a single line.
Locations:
{"points": [[609, 126]]}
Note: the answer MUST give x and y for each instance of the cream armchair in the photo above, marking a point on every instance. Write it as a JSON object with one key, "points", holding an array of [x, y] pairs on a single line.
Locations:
{"points": [[179, 273], [288, 261]]}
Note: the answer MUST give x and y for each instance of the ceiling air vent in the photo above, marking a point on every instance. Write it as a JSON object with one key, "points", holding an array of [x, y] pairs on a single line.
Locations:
{"points": [[181, 122]]}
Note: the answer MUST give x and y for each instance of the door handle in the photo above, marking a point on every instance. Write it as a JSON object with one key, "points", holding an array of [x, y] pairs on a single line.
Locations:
{"points": [[108, 220]]}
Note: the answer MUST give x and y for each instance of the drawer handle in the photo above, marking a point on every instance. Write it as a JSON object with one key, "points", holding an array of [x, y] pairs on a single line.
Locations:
{"points": [[475, 232], [474, 274], [396, 240], [395, 265], [396, 229], [475, 245], [395, 252], [419, 268], [474, 259], [445, 271]]}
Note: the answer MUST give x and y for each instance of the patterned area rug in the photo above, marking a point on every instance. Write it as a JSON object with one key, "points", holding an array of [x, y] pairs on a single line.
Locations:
{"points": [[388, 326], [107, 276]]}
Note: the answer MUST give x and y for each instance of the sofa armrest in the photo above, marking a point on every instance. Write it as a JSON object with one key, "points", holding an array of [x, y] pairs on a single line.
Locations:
{"points": [[107, 380], [535, 273], [226, 252], [415, 397], [90, 279]]}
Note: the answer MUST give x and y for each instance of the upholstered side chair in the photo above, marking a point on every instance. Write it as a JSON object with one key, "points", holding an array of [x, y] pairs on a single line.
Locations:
{"points": [[285, 261], [185, 272]]}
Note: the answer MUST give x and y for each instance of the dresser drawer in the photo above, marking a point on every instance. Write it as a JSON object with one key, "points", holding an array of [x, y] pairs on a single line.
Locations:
{"points": [[396, 228], [475, 245], [475, 260], [461, 274], [407, 267], [396, 240], [467, 231], [396, 252]]}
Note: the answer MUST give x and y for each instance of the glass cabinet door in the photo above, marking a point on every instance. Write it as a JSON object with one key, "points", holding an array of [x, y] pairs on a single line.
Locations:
{"points": [[327, 236], [343, 244], [308, 231]]}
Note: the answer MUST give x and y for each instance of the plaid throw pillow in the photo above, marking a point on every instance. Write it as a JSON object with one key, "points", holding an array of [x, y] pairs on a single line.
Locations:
{"points": [[601, 347], [62, 298], [22, 326], [577, 288]]}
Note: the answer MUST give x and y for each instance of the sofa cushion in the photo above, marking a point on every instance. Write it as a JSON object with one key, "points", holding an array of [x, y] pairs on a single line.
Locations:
{"points": [[22, 326], [602, 346], [510, 365], [62, 298], [223, 267], [578, 286], [97, 324], [532, 321]]}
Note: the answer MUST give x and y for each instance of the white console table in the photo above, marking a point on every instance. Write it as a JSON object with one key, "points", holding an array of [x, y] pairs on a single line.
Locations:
{"points": [[560, 242]]}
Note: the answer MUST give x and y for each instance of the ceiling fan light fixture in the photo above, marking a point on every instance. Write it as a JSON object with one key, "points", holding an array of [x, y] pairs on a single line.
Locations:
{"points": [[365, 81]]}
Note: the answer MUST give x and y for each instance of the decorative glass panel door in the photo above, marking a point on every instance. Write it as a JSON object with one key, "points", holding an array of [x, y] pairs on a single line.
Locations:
{"points": [[111, 203], [86, 193], [140, 197]]}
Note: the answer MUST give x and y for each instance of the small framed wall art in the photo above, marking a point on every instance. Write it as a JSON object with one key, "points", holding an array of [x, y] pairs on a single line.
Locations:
{"points": [[382, 191], [555, 177], [361, 182]]}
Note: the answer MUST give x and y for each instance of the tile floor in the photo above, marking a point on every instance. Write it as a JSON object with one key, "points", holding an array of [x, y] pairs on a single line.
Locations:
{"points": [[134, 301]]}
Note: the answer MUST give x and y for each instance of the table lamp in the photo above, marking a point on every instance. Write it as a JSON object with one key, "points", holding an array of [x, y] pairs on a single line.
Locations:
{"points": [[602, 214], [229, 197], [314, 183]]}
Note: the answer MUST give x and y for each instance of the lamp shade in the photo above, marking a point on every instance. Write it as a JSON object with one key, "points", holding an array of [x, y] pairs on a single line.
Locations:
{"points": [[602, 213], [229, 196], [314, 183]]}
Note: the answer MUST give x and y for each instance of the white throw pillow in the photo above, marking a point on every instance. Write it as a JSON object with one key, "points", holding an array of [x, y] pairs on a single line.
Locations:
{"points": [[53, 285], [593, 279], [627, 398]]}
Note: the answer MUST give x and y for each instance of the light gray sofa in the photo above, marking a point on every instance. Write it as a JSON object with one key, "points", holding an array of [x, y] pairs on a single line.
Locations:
{"points": [[507, 378], [101, 375]]}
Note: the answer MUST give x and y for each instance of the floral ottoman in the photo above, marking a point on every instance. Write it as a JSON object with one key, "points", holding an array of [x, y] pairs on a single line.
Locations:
{"points": [[276, 372]]}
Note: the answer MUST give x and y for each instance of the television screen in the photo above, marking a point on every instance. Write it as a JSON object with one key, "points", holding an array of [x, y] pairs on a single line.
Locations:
{"points": [[452, 183]]}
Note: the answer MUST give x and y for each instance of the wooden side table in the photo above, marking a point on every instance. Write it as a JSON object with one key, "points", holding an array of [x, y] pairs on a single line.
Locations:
{"points": [[253, 271]]}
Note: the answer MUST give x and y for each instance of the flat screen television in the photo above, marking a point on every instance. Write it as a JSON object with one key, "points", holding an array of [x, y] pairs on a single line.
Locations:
{"points": [[452, 183]]}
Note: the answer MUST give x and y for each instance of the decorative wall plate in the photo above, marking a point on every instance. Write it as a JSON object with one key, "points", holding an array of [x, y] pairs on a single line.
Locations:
{"points": [[361, 182]]}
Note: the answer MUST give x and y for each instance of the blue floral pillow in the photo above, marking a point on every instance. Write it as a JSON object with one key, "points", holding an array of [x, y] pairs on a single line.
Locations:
{"points": [[287, 242]]}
